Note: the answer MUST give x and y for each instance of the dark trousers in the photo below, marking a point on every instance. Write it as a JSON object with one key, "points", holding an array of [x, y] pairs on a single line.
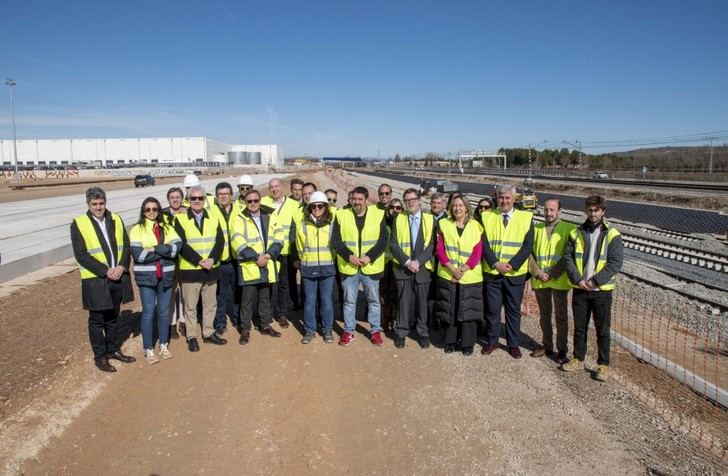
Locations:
{"points": [[467, 330], [102, 325], [501, 291], [226, 305], [412, 298], [293, 290], [548, 300], [596, 304], [256, 294], [280, 289]]}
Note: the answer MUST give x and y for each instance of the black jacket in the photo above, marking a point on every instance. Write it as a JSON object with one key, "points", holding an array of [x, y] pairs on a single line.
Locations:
{"points": [[421, 253], [199, 275], [95, 293]]}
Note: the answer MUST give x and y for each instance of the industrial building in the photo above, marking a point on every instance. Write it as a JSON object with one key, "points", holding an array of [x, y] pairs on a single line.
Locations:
{"points": [[159, 151]]}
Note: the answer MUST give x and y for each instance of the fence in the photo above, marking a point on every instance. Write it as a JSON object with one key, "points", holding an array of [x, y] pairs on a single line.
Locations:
{"points": [[679, 357]]}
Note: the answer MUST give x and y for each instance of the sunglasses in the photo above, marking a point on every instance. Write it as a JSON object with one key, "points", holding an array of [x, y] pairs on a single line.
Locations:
{"points": [[395, 207], [245, 187], [385, 193], [317, 206], [147, 210], [484, 207], [196, 199], [332, 200], [253, 200]]}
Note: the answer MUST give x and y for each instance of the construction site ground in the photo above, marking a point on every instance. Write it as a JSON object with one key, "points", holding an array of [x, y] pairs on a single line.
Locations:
{"points": [[276, 406]]}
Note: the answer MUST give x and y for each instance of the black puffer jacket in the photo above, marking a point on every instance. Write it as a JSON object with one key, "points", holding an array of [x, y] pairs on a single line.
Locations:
{"points": [[458, 302]]}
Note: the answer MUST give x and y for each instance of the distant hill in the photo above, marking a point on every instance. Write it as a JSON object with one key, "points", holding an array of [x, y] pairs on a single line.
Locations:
{"points": [[687, 153]]}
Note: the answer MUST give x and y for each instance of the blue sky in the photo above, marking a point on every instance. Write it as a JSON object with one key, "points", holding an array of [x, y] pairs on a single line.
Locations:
{"points": [[366, 78]]}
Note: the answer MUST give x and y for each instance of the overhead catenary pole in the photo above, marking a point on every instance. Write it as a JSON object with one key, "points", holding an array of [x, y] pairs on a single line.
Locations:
{"points": [[10, 84]]}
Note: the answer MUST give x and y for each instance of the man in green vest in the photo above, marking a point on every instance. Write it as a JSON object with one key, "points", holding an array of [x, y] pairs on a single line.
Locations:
{"points": [[227, 302], [199, 266], [282, 209], [412, 245], [549, 280], [359, 238], [594, 255], [101, 248], [507, 243]]}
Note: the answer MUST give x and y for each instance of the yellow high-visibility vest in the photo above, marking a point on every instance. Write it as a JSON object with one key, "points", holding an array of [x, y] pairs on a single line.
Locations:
{"points": [[244, 233], [579, 257], [282, 219], [549, 251], [314, 244], [404, 239], [202, 242], [459, 248], [506, 241], [369, 237], [225, 229], [93, 245]]}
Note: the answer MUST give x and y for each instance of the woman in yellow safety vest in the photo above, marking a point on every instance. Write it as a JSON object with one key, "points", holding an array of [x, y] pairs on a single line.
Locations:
{"points": [[154, 247], [459, 303], [316, 262]]}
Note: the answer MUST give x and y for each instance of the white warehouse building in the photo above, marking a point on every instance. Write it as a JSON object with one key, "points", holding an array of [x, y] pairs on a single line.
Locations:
{"points": [[157, 151]]}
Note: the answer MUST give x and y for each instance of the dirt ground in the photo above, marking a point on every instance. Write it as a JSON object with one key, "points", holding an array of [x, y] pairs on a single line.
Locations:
{"points": [[279, 407]]}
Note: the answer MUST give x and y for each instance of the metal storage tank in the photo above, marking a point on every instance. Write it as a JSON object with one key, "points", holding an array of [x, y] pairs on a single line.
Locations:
{"points": [[244, 158]]}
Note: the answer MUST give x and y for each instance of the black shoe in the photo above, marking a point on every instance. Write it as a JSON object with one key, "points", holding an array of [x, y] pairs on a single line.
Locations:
{"points": [[104, 365], [127, 359], [467, 351], [449, 348], [399, 342], [192, 345], [282, 321], [424, 342], [214, 339]]}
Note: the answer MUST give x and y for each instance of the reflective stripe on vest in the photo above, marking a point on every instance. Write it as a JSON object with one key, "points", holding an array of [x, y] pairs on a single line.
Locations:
{"points": [[203, 242], [404, 235], [579, 258], [314, 243], [459, 248], [225, 230], [369, 237], [505, 242], [548, 252], [245, 234], [93, 245]]}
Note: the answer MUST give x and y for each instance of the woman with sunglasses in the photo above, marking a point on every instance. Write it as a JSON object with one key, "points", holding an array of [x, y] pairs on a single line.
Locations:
{"points": [[154, 247], [318, 271], [458, 304], [485, 204]]}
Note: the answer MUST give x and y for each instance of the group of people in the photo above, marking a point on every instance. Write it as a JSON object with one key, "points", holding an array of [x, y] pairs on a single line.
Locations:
{"points": [[220, 259]]}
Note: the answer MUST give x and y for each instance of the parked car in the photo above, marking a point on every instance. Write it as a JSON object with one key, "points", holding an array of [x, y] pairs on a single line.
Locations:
{"points": [[143, 180], [599, 175]]}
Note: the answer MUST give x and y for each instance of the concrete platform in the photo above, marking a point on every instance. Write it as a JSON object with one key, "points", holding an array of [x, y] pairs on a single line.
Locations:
{"points": [[36, 233]]}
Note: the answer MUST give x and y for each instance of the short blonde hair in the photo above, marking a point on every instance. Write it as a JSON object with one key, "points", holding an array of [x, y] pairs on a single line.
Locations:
{"points": [[466, 202]]}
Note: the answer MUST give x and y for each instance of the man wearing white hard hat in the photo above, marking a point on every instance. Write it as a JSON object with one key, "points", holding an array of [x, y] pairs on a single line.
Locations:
{"points": [[245, 183], [192, 180]]}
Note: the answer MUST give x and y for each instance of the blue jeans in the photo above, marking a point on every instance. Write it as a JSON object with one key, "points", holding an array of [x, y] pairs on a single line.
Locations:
{"points": [[155, 298], [226, 305], [351, 292], [311, 288]]}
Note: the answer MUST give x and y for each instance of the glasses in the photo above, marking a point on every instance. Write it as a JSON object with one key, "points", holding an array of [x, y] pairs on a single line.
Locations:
{"points": [[317, 206], [245, 188], [332, 200], [196, 199], [411, 199], [395, 207], [253, 200], [385, 193], [148, 210], [484, 207]]}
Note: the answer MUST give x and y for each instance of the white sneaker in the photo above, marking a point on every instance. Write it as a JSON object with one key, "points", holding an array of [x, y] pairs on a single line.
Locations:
{"points": [[150, 357], [164, 352]]}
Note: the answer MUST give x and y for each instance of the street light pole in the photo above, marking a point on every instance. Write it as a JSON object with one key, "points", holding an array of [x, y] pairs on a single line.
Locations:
{"points": [[10, 84]]}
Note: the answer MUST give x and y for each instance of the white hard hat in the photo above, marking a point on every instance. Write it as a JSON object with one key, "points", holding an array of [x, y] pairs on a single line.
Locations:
{"points": [[191, 180], [245, 180], [318, 197]]}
